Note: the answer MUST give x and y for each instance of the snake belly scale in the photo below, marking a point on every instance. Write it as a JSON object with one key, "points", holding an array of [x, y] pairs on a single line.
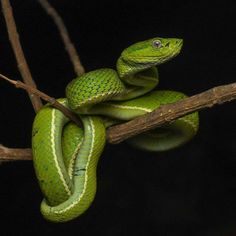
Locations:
{"points": [[65, 156]]}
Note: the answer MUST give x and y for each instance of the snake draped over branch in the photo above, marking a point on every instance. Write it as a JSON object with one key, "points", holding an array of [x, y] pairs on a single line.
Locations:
{"points": [[65, 156]]}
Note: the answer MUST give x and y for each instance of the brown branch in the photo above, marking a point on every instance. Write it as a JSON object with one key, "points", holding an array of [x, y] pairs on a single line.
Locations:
{"points": [[74, 57], [15, 154], [162, 115], [170, 112], [21, 61], [45, 97]]}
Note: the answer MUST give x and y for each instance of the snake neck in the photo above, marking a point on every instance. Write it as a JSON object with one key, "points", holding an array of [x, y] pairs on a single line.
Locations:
{"points": [[139, 78], [126, 69]]}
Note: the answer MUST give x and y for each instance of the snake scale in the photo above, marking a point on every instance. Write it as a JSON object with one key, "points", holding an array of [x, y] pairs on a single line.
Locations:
{"points": [[65, 156]]}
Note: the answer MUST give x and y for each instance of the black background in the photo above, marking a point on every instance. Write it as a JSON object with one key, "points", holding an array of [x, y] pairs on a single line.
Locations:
{"points": [[188, 191]]}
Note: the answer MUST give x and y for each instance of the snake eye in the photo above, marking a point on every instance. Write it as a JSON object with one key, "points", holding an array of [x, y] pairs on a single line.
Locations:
{"points": [[156, 44]]}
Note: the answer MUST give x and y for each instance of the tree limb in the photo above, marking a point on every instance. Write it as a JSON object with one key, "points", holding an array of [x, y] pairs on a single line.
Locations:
{"points": [[15, 154], [161, 116], [170, 112], [16, 46]]}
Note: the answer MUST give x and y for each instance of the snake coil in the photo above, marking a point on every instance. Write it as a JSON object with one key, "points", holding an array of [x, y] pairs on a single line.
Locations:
{"points": [[65, 156]]}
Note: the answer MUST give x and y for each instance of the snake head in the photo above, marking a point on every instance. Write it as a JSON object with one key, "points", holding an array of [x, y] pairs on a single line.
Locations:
{"points": [[146, 54], [154, 51]]}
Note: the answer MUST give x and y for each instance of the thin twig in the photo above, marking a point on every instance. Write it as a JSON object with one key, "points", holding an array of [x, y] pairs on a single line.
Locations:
{"points": [[45, 97], [164, 114], [70, 48], [21, 61]]}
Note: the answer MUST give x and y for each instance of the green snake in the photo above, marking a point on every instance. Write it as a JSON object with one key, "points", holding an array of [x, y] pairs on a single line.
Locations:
{"points": [[65, 156]]}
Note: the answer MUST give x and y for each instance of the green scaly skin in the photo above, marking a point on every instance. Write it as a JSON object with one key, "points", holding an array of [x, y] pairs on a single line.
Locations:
{"points": [[65, 156]]}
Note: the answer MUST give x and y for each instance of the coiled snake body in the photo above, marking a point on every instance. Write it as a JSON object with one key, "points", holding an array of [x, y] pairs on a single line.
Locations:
{"points": [[65, 156]]}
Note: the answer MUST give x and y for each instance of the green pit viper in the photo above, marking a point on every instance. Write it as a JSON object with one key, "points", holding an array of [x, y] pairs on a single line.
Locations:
{"points": [[65, 156]]}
